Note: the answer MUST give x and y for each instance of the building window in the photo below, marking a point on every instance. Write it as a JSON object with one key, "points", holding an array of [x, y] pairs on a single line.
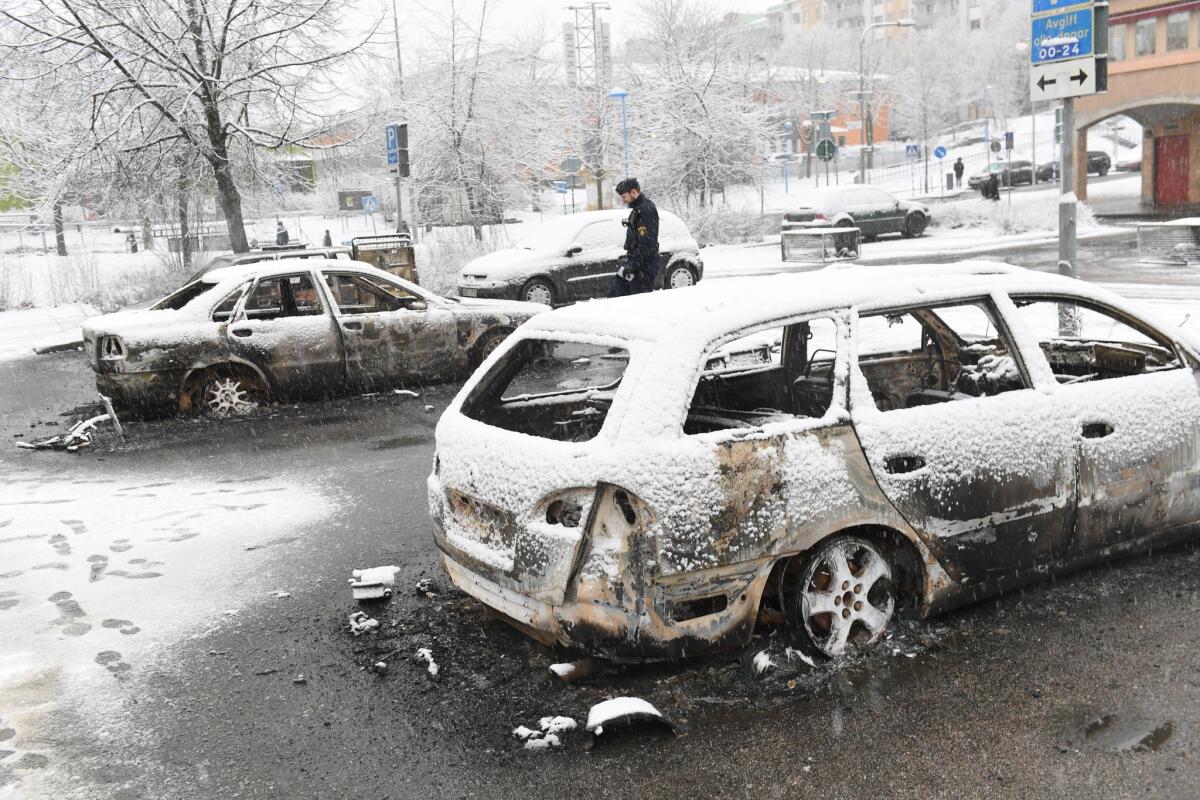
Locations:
{"points": [[1177, 30], [976, 24], [796, 17], [1144, 33], [1116, 43]]}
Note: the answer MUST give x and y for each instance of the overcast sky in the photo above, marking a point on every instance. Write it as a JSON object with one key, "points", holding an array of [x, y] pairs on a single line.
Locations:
{"points": [[514, 15]]}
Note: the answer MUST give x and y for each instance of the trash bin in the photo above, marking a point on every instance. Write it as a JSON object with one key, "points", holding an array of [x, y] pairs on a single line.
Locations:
{"points": [[949, 180]]}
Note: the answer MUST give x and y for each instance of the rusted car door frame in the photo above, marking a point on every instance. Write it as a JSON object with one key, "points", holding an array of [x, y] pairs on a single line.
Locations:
{"points": [[989, 503], [1136, 476], [387, 347], [299, 353]]}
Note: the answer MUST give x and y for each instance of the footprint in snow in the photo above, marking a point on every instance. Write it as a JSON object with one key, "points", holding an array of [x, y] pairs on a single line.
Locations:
{"points": [[99, 564], [124, 626]]}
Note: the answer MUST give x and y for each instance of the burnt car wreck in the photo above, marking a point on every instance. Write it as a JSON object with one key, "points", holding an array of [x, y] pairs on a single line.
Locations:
{"points": [[292, 328], [646, 478]]}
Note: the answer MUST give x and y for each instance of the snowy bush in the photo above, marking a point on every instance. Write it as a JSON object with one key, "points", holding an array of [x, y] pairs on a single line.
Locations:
{"points": [[443, 252], [1027, 213], [725, 225]]}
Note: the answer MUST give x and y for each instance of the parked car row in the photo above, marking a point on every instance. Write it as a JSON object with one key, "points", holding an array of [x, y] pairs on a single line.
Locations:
{"points": [[1022, 173]]}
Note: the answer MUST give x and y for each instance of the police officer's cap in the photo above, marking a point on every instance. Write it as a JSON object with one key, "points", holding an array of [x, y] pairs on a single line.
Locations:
{"points": [[628, 185]]}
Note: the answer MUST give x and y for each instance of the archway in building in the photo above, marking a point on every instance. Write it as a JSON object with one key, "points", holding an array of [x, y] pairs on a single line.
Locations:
{"points": [[1170, 148]]}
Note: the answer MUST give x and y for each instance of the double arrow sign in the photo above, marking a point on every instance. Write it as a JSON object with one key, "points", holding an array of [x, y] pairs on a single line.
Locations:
{"points": [[1043, 81]]}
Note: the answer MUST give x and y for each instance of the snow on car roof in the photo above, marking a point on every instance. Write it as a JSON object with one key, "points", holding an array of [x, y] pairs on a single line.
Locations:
{"points": [[713, 308], [237, 272]]}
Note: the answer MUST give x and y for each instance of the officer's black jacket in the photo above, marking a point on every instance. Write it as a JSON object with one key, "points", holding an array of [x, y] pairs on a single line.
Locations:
{"points": [[641, 236]]}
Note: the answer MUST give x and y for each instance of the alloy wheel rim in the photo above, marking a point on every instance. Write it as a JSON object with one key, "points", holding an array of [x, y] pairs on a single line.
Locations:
{"points": [[226, 396], [846, 597]]}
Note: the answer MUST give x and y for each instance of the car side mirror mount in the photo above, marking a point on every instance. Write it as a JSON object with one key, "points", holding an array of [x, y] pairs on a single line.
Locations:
{"points": [[413, 304], [573, 249]]}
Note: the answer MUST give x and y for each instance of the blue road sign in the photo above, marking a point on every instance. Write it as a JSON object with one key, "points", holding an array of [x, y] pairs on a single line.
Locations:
{"points": [[939, 152], [1056, 6], [370, 204], [393, 143], [562, 187], [1062, 36], [912, 151]]}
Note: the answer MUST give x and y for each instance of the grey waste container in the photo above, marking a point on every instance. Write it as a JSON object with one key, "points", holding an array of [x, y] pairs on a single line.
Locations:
{"points": [[949, 180]]}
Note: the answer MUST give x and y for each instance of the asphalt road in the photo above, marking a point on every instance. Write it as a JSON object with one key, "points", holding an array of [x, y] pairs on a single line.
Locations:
{"points": [[1086, 687]]}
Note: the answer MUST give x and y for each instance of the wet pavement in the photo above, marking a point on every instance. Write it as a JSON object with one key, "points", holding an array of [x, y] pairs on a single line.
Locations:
{"points": [[1083, 687]]}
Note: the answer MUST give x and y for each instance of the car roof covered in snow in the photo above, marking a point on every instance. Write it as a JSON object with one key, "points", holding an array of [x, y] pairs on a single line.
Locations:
{"points": [[284, 266], [714, 308]]}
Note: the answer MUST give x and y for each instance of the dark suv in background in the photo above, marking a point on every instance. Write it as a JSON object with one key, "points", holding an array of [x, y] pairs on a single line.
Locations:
{"points": [[1098, 163]]}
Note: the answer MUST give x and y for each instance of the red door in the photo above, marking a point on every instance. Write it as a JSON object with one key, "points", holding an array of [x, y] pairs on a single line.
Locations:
{"points": [[1171, 170]]}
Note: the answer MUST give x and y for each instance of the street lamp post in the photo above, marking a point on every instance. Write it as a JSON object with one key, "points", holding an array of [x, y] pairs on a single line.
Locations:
{"points": [[622, 94], [862, 90], [787, 151]]}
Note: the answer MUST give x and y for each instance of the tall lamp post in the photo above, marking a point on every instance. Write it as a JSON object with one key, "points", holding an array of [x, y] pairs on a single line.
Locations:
{"points": [[862, 89], [787, 151], [622, 94]]}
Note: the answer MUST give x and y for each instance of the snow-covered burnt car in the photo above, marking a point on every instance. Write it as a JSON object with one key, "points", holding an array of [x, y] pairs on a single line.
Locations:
{"points": [[873, 211], [291, 328], [642, 478], [574, 258]]}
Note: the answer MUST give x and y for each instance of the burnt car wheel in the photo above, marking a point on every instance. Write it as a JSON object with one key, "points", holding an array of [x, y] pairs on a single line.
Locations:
{"points": [[486, 344], [843, 596], [679, 276], [538, 290], [229, 395], [914, 226]]}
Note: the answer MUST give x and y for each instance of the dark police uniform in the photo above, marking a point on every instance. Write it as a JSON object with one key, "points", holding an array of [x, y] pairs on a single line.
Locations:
{"points": [[641, 245]]}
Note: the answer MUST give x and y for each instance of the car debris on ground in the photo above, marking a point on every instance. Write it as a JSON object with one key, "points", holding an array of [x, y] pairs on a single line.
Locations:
{"points": [[547, 734], [625, 709], [360, 623], [375, 583], [425, 655], [79, 435]]}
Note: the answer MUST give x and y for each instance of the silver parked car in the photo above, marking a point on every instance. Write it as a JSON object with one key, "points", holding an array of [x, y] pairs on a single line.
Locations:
{"points": [[574, 258], [642, 478], [240, 335]]}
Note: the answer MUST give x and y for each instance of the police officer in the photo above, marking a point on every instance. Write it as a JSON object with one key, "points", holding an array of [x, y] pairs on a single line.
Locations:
{"points": [[640, 263]]}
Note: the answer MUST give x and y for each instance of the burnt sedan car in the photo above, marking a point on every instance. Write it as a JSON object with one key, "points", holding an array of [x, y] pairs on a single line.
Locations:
{"points": [[574, 258], [240, 335], [873, 211], [642, 478]]}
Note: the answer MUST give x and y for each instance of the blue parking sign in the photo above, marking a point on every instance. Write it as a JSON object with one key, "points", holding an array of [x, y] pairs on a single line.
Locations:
{"points": [[1062, 36], [392, 134]]}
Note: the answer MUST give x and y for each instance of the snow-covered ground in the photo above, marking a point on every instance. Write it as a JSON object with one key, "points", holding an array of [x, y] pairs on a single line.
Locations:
{"points": [[22, 331], [82, 557]]}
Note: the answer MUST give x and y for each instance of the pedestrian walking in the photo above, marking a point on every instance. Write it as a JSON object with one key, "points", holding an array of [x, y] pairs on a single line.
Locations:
{"points": [[959, 168], [328, 240], [281, 234], [639, 265]]}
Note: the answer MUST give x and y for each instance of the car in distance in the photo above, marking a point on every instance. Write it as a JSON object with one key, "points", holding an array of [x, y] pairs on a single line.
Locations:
{"points": [[574, 257], [873, 211], [1010, 173], [1098, 163], [643, 478], [240, 335]]}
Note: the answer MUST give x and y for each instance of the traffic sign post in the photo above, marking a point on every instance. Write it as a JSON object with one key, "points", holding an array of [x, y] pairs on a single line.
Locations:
{"points": [[396, 138], [939, 153], [1064, 65]]}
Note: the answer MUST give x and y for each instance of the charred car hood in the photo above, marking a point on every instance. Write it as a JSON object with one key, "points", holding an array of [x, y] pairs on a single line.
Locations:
{"points": [[513, 308]]}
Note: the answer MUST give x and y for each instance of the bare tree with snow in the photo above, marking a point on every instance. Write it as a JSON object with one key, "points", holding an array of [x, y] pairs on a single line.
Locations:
{"points": [[220, 78]]}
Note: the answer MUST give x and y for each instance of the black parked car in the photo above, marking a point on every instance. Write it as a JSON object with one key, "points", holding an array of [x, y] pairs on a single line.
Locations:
{"points": [[871, 210], [1011, 173], [1098, 163]]}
